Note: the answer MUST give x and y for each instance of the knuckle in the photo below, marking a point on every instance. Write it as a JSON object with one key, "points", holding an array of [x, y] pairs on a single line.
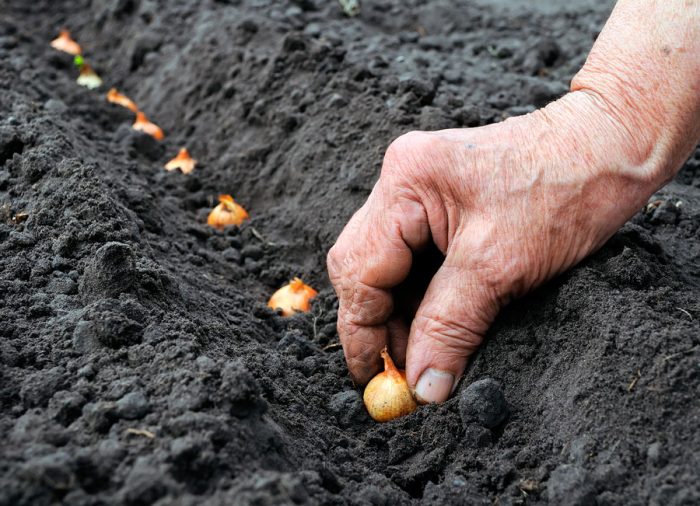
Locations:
{"points": [[411, 141], [368, 306], [403, 148], [410, 156]]}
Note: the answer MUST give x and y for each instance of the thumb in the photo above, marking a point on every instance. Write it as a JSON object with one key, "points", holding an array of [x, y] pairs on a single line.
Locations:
{"points": [[448, 327]]}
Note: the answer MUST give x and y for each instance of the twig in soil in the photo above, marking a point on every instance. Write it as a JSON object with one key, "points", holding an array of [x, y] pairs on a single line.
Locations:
{"points": [[685, 313], [634, 381], [261, 238], [669, 357], [20, 217], [141, 432], [316, 317], [528, 486], [9, 217], [332, 346]]}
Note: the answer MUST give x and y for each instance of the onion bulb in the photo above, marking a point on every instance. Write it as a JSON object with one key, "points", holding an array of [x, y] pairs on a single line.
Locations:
{"points": [[88, 77], [143, 125], [387, 395], [117, 98], [65, 43], [296, 296], [182, 161], [228, 212]]}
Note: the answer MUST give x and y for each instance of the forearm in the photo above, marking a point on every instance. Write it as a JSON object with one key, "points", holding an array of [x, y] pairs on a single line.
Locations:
{"points": [[644, 73]]}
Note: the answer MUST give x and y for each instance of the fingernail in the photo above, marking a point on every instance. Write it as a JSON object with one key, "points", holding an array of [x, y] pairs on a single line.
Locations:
{"points": [[434, 386]]}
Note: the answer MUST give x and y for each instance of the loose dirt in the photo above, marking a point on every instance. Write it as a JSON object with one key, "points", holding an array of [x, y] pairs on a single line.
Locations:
{"points": [[138, 362]]}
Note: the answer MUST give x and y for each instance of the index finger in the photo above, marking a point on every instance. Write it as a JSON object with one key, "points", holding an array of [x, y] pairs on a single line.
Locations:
{"points": [[372, 255]]}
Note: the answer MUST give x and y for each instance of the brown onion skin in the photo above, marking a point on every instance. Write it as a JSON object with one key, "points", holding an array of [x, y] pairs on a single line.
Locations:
{"points": [[227, 213], [292, 298], [387, 395]]}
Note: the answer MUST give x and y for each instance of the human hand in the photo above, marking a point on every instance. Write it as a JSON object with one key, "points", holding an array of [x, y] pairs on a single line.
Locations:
{"points": [[508, 205]]}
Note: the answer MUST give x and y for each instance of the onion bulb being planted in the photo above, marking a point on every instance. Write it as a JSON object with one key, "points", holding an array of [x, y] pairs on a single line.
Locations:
{"points": [[228, 212], [87, 77], [65, 43], [143, 125], [387, 395], [117, 98], [294, 297], [182, 161]]}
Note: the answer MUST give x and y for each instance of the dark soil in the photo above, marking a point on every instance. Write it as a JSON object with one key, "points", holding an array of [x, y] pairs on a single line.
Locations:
{"points": [[121, 311]]}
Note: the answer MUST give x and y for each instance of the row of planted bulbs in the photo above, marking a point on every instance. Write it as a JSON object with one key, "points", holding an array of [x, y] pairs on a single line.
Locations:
{"points": [[291, 298]]}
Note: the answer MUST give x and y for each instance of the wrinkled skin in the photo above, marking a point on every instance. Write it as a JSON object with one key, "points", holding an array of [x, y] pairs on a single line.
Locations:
{"points": [[513, 204], [508, 205]]}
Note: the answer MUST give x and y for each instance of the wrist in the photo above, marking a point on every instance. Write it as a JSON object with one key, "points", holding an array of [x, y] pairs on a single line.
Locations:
{"points": [[633, 125], [643, 73], [612, 143], [596, 166], [627, 136]]}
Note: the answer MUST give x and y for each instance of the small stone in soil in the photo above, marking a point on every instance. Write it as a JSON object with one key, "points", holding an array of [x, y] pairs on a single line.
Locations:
{"points": [[347, 407], [483, 402], [252, 251], [132, 406], [232, 255]]}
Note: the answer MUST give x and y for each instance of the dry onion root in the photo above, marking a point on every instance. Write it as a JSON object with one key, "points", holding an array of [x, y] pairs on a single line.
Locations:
{"points": [[143, 125], [115, 97], [65, 43], [227, 213], [291, 298], [182, 161], [387, 395]]}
